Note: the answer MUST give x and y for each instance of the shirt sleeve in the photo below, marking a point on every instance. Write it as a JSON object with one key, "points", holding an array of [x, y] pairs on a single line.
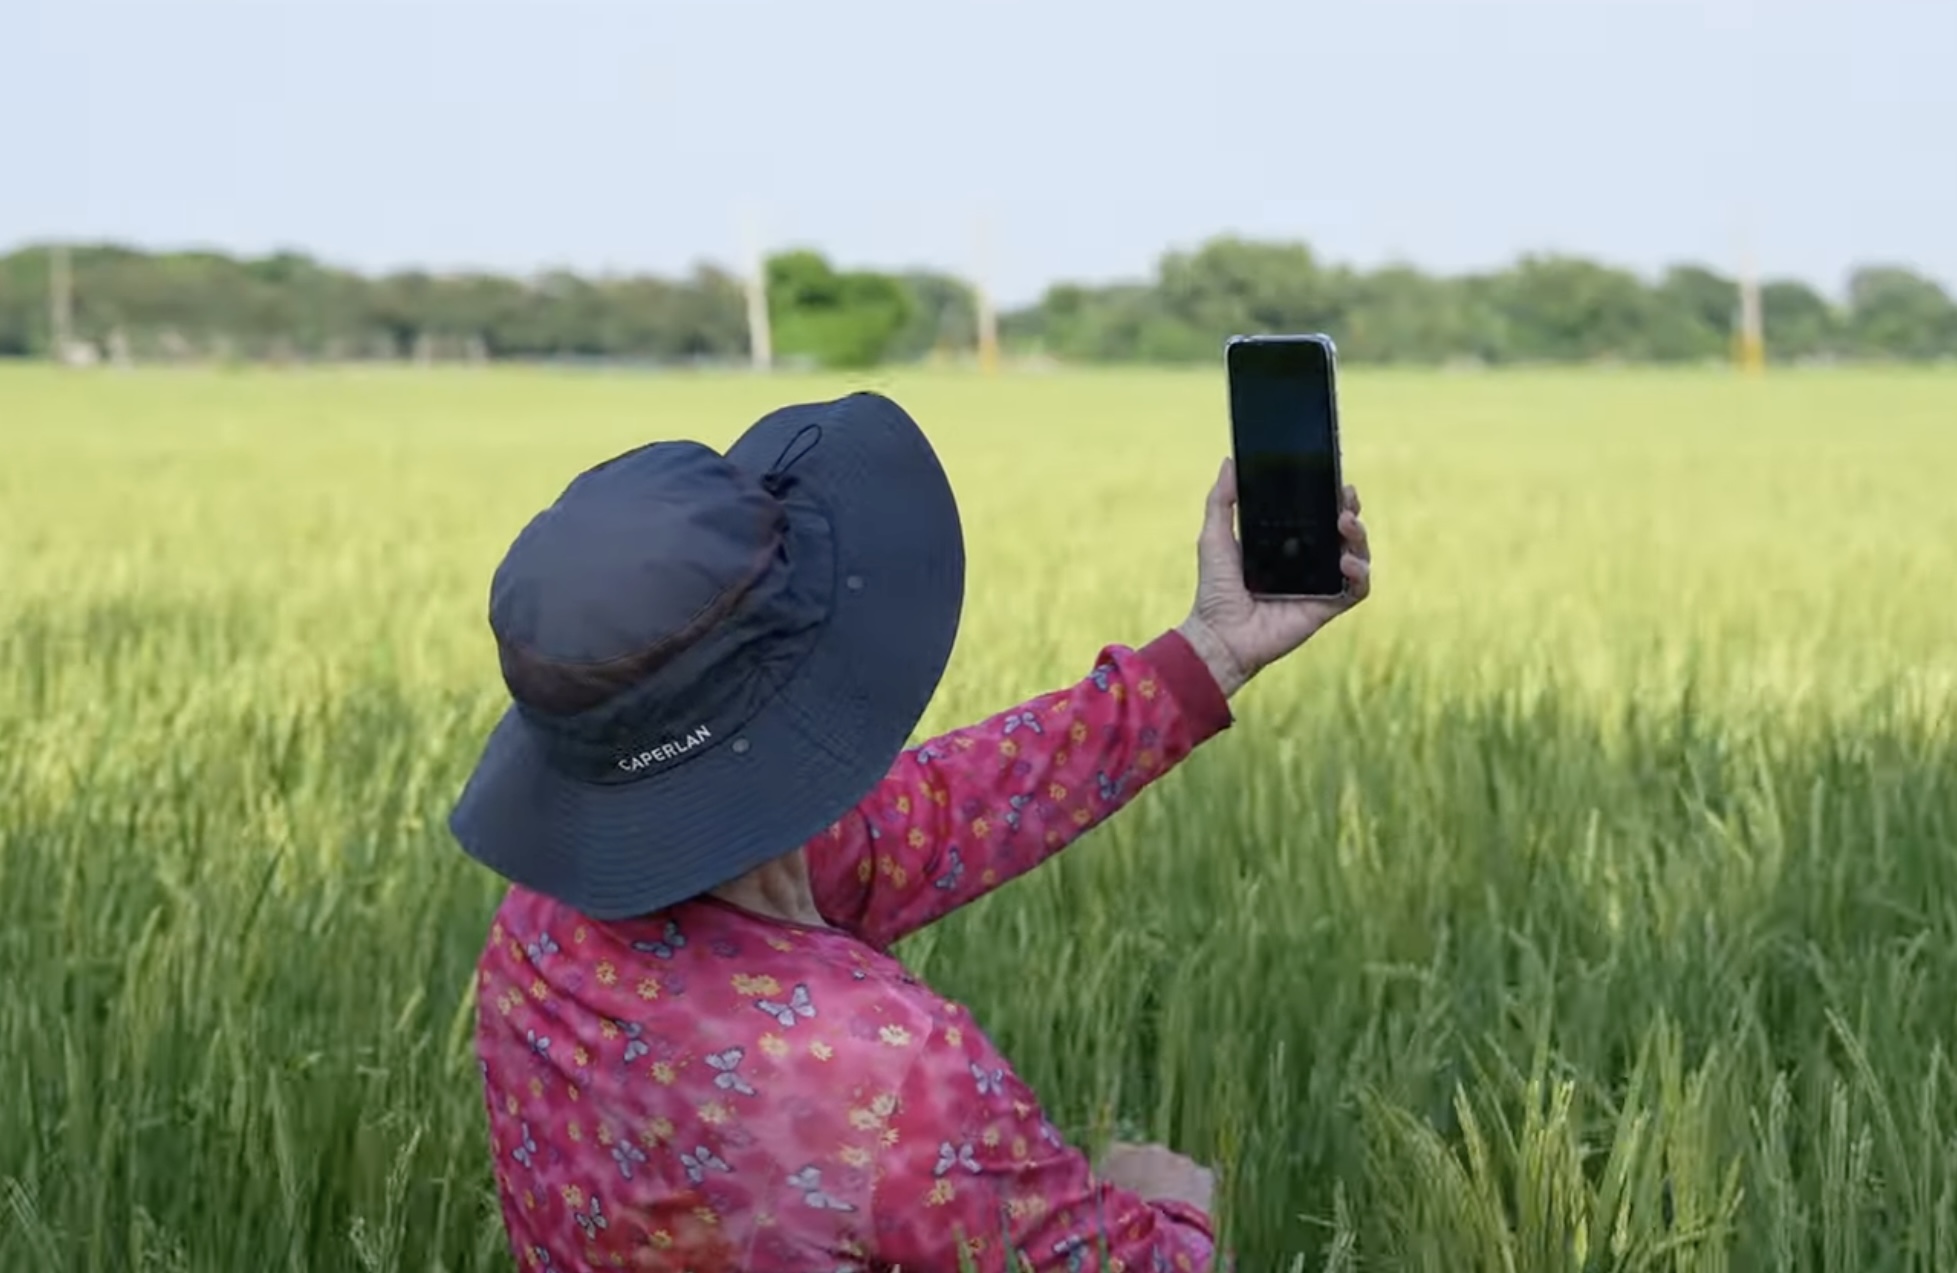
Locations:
{"points": [[975, 1168], [967, 811]]}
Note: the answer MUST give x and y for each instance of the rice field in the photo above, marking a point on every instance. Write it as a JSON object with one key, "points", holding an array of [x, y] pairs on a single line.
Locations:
{"points": [[1587, 900]]}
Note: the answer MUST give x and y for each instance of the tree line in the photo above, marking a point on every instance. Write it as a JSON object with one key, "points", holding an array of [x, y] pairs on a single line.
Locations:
{"points": [[127, 304]]}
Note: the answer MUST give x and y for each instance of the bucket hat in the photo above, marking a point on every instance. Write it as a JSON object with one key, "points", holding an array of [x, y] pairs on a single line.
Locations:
{"points": [[712, 657]]}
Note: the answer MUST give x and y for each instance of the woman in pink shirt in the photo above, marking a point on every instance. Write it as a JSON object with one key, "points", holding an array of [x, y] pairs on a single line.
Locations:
{"points": [[697, 1053]]}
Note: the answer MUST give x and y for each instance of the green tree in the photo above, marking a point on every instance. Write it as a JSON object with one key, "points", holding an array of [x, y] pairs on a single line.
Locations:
{"points": [[838, 319]]}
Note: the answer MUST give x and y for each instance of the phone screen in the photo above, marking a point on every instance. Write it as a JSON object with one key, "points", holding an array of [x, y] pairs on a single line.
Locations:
{"points": [[1286, 443]]}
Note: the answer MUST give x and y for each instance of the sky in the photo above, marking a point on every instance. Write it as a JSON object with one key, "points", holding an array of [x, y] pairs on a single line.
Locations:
{"points": [[1026, 141]]}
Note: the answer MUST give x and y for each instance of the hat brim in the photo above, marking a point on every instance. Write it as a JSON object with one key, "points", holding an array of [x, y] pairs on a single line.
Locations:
{"points": [[617, 850]]}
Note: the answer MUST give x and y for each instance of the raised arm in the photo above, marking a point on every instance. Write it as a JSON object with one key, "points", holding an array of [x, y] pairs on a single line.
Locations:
{"points": [[969, 810], [975, 1165], [964, 813]]}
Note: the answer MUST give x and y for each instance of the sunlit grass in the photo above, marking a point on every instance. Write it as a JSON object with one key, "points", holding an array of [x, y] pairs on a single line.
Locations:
{"points": [[1584, 902]]}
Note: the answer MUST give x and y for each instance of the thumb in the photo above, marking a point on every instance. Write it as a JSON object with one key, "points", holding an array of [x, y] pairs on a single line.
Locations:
{"points": [[1216, 548]]}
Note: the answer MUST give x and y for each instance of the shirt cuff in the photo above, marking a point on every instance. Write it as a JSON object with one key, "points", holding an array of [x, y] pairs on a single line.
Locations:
{"points": [[1183, 1213], [1191, 683]]}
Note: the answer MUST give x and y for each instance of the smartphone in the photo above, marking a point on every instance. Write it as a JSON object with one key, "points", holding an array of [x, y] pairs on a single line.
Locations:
{"points": [[1284, 425]]}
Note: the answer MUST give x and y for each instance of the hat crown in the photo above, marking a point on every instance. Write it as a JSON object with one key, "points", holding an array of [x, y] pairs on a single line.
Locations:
{"points": [[634, 562]]}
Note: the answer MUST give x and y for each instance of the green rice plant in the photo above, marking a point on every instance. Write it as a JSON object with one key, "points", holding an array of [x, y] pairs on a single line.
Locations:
{"points": [[1584, 903]]}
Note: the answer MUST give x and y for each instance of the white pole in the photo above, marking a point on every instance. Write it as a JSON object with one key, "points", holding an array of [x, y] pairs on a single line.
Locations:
{"points": [[988, 318], [61, 308], [760, 335]]}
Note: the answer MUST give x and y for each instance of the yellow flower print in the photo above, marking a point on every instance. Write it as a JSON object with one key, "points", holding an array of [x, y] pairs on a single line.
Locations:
{"points": [[941, 1193], [1055, 792], [662, 1239], [648, 988], [903, 804], [496, 931], [571, 1090], [574, 1131], [578, 934], [1008, 748], [964, 742], [821, 1051], [707, 1215], [581, 1057], [900, 877], [1117, 692], [888, 1137], [774, 1045], [884, 1105], [1147, 688], [1019, 1149], [895, 1035], [854, 1156], [509, 1103], [607, 1030], [605, 1136], [988, 877], [954, 1036], [863, 869], [1078, 732], [536, 1087], [1146, 760], [991, 1138], [1082, 817], [516, 949], [756, 985], [662, 1073], [657, 1131], [573, 1197], [1054, 839], [713, 1113], [782, 944], [864, 1120], [607, 975], [504, 1006], [529, 1200], [980, 827]]}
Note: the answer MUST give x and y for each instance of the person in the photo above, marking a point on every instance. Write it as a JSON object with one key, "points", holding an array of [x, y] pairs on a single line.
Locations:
{"points": [[697, 1052]]}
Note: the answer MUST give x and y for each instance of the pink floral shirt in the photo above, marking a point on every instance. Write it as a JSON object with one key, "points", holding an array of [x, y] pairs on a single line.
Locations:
{"points": [[705, 1090]]}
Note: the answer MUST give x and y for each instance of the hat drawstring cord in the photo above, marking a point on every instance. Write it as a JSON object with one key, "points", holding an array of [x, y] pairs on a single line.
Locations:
{"points": [[776, 477]]}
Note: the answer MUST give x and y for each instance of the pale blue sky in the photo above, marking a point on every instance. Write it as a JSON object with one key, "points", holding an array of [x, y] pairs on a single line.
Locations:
{"points": [[1093, 135]]}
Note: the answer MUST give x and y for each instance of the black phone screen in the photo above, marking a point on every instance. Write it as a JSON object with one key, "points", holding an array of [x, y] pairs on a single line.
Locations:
{"points": [[1286, 443]]}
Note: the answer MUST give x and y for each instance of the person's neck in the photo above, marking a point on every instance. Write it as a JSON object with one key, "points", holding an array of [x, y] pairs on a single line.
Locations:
{"points": [[778, 890]]}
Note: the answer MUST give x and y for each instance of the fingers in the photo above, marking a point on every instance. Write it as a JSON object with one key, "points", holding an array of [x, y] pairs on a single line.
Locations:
{"points": [[1357, 562], [1358, 574], [1353, 532]]}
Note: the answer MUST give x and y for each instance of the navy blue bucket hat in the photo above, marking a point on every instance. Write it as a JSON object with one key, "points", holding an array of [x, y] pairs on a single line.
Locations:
{"points": [[713, 657]]}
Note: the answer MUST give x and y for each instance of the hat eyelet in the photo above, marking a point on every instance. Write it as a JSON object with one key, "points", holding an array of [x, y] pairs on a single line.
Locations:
{"points": [[854, 583], [740, 746]]}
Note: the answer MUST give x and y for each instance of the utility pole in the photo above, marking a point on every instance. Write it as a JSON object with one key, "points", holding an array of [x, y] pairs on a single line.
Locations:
{"points": [[61, 301], [988, 318], [760, 336], [1752, 340]]}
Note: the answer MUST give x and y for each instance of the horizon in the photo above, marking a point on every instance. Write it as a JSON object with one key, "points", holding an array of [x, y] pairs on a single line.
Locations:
{"points": [[1834, 291]]}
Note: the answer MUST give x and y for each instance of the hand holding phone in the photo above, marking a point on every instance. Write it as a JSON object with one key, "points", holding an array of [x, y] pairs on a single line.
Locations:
{"points": [[1284, 426], [1252, 609]]}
